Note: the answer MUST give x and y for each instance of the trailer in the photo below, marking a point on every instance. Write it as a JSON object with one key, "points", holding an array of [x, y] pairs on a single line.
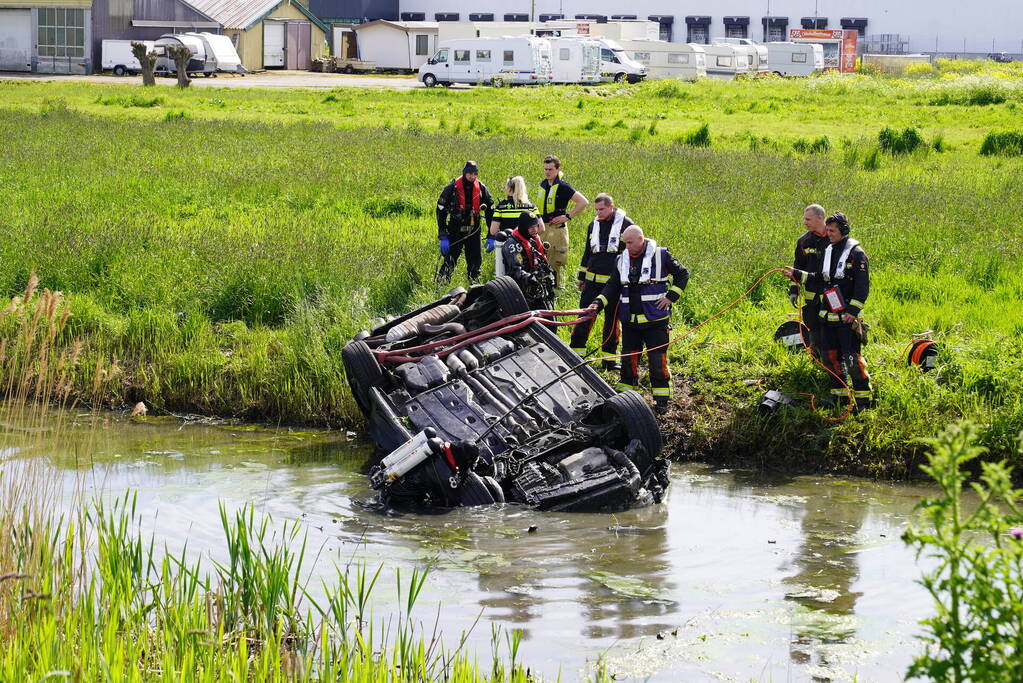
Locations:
{"points": [[728, 62], [523, 60], [795, 59], [684, 61], [198, 63], [116, 56], [575, 60], [220, 49]]}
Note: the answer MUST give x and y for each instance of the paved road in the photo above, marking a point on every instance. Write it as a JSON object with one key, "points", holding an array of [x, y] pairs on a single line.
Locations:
{"points": [[268, 79]]}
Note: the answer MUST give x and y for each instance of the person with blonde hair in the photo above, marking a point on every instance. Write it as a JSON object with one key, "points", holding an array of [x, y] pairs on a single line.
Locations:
{"points": [[508, 210]]}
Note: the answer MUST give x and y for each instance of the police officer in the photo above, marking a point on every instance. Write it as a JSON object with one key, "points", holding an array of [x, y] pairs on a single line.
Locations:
{"points": [[507, 212], [525, 261], [809, 248], [554, 198], [600, 255], [639, 285], [462, 203], [843, 281]]}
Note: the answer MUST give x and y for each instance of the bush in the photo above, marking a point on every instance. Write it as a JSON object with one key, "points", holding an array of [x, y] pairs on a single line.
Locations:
{"points": [[894, 142], [1007, 144], [696, 138]]}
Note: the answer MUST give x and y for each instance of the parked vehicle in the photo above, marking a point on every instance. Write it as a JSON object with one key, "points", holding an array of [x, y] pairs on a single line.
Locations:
{"points": [[729, 61], [574, 60], [221, 49], [522, 60], [472, 400], [198, 63], [616, 65], [1001, 57], [795, 59], [762, 56], [116, 56], [685, 61]]}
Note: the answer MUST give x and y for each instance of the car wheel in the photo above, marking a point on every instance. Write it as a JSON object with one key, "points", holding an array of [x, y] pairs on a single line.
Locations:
{"points": [[348, 69], [119, 70], [429, 80], [638, 420], [474, 491], [362, 371], [510, 299], [619, 78]]}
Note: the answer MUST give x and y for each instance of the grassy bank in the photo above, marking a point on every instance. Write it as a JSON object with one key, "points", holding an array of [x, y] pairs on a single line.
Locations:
{"points": [[215, 257]]}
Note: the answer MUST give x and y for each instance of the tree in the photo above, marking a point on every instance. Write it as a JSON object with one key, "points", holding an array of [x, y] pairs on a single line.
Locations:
{"points": [[147, 60], [180, 54]]}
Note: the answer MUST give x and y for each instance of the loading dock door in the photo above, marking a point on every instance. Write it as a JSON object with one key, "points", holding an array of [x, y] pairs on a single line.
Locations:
{"points": [[273, 44], [15, 40], [298, 43]]}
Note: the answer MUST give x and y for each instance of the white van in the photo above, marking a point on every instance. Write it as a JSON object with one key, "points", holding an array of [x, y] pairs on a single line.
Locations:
{"points": [[685, 61], [116, 56], [616, 65], [522, 60], [730, 61], [795, 59], [574, 60]]}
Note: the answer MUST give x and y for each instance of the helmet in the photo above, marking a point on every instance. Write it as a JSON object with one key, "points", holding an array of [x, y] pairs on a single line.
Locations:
{"points": [[470, 167]]}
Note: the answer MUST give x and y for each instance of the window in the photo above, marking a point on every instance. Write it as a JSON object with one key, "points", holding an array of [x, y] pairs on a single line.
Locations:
{"points": [[607, 56], [735, 31], [61, 32], [422, 45], [775, 34], [799, 58], [749, 61], [564, 54], [462, 56], [678, 58], [441, 56], [724, 61], [482, 55], [641, 57], [698, 34], [509, 57]]}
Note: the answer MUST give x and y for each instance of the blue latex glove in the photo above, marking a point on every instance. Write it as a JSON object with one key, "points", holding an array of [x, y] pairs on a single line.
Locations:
{"points": [[490, 244], [445, 246]]}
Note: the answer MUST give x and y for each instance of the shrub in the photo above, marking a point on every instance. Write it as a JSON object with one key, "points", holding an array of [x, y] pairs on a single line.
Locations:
{"points": [[1007, 144], [895, 142], [699, 137]]}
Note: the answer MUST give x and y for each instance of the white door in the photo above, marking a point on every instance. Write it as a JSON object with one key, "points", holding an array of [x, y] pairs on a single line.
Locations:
{"points": [[273, 44], [462, 70], [15, 40]]}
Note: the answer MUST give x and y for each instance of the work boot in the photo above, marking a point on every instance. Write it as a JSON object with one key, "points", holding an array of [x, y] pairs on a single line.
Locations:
{"points": [[611, 366], [660, 407], [862, 404]]}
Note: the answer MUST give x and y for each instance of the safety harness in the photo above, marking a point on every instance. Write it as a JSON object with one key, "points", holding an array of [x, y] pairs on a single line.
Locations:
{"points": [[528, 247], [460, 195]]}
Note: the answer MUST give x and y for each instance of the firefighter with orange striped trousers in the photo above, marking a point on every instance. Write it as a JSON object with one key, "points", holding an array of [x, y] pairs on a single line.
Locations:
{"points": [[460, 207], [639, 286], [843, 284], [600, 256]]}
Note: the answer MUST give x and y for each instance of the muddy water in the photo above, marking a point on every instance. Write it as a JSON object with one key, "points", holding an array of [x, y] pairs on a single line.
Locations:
{"points": [[733, 577]]}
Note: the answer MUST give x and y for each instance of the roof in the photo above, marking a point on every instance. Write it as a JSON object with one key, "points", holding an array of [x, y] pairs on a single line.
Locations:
{"points": [[244, 14], [401, 25]]}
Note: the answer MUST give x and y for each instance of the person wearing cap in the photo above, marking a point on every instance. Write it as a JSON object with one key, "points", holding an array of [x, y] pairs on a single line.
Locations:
{"points": [[554, 198], [843, 281], [507, 211], [462, 204], [600, 254], [809, 248], [639, 287], [525, 261]]}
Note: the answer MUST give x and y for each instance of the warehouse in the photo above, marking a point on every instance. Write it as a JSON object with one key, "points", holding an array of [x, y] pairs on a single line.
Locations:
{"points": [[46, 36]]}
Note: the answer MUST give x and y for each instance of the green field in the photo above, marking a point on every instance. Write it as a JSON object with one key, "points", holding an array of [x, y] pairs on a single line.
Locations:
{"points": [[218, 247]]}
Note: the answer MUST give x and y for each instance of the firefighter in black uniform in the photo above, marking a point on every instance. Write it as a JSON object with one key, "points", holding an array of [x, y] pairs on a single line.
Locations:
{"points": [[843, 281], [525, 261], [460, 207], [555, 195], [639, 285], [600, 254], [809, 248]]}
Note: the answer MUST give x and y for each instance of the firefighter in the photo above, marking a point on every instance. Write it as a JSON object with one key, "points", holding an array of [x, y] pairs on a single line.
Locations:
{"points": [[507, 212], [525, 261], [639, 285], [809, 248], [554, 198], [843, 281], [600, 254], [460, 207]]}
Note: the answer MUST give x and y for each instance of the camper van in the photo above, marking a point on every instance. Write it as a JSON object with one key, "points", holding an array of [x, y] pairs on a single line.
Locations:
{"points": [[795, 59], [616, 65], [523, 60], [575, 60], [730, 61], [116, 56], [685, 61]]}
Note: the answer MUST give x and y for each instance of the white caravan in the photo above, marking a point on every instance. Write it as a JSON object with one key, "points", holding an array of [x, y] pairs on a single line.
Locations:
{"points": [[199, 62], [730, 61], [524, 60], [616, 65], [763, 56], [574, 60], [221, 50], [116, 56], [795, 59], [685, 61]]}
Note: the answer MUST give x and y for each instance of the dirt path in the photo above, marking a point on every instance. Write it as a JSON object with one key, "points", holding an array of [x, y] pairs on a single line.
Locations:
{"points": [[267, 79]]}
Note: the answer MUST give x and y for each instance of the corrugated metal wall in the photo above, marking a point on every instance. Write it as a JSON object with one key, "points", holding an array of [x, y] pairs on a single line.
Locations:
{"points": [[111, 20]]}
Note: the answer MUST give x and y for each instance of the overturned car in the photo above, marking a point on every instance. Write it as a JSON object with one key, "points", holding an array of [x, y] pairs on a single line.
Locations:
{"points": [[473, 400]]}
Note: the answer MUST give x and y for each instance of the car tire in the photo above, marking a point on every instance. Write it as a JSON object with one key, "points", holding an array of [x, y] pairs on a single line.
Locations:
{"points": [[362, 371], [429, 80], [495, 489], [638, 420], [119, 70], [509, 297], [620, 78], [474, 491], [348, 69]]}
